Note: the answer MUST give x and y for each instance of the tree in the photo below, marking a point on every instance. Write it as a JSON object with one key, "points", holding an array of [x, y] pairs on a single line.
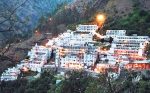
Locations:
{"points": [[76, 83], [95, 87], [30, 90]]}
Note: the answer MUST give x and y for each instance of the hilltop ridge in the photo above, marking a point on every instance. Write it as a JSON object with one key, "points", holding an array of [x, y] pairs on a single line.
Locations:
{"points": [[84, 11]]}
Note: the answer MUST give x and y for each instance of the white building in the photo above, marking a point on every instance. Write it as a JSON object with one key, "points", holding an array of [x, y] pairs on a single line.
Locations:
{"points": [[38, 56], [10, 74], [42, 51], [82, 55], [105, 67], [50, 43], [131, 46], [76, 49], [86, 28], [114, 33], [108, 59]]}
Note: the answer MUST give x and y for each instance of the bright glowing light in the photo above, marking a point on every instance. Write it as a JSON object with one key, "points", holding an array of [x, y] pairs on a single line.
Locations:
{"points": [[36, 31], [50, 19], [100, 17]]}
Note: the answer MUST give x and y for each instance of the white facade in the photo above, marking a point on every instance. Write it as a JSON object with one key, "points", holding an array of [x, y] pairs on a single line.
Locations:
{"points": [[75, 48], [39, 51], [114, 33], [110, 58], [50, 43], [38, 57], [131, 46], [77, 54], [10, 74], [86, 28]]}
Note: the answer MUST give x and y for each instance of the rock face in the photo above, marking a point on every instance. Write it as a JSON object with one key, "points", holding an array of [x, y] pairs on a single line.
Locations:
{"points": [[22, 16]]}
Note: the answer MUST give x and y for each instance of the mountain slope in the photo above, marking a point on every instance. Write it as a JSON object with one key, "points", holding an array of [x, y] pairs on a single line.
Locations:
{"points": [[84, 11], [22, 16]]}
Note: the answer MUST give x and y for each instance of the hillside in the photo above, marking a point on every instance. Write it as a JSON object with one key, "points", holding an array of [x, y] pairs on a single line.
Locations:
{"points": [[20, 17], [56, 16], [23, 23], [84, 11], [18, 20]]}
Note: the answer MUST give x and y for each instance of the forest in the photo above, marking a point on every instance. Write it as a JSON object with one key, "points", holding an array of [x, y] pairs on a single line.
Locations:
{"points": [[78, 82]]}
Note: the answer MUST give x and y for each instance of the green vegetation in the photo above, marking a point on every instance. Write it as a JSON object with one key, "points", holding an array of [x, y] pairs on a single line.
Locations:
{"points": [[137, 22], [78, 82], [40, 85]]}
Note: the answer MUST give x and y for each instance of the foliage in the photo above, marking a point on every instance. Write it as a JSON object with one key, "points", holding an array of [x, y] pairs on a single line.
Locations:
{"points": [[138, 22], [40, 85], [77, 82], [144, 87]]}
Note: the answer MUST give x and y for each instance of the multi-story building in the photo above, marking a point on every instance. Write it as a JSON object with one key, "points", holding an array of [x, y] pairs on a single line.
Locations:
{"points": [[84, 55], [76, 49], [105, 67], [87, 28], [39, 51], [38, 56], [114, 33], [132, 46], [10, 74], [138, 65]]}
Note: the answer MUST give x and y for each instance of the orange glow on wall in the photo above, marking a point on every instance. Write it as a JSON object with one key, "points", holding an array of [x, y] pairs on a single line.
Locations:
{"points": [[138, 66]]}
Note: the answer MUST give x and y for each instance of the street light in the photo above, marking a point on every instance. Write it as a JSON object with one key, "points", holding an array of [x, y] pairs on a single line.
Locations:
{"points": [[36, 31], [100, 19]]}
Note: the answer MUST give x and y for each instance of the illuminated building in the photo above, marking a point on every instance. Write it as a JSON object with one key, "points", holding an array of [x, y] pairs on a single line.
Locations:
{"points": [[122, 60], [83, 55], [39, 52], [103, 68], [38, 56], [114, 33], [107, 58], [76, 48], [86, 28], [131, 46], [138, 65]]}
